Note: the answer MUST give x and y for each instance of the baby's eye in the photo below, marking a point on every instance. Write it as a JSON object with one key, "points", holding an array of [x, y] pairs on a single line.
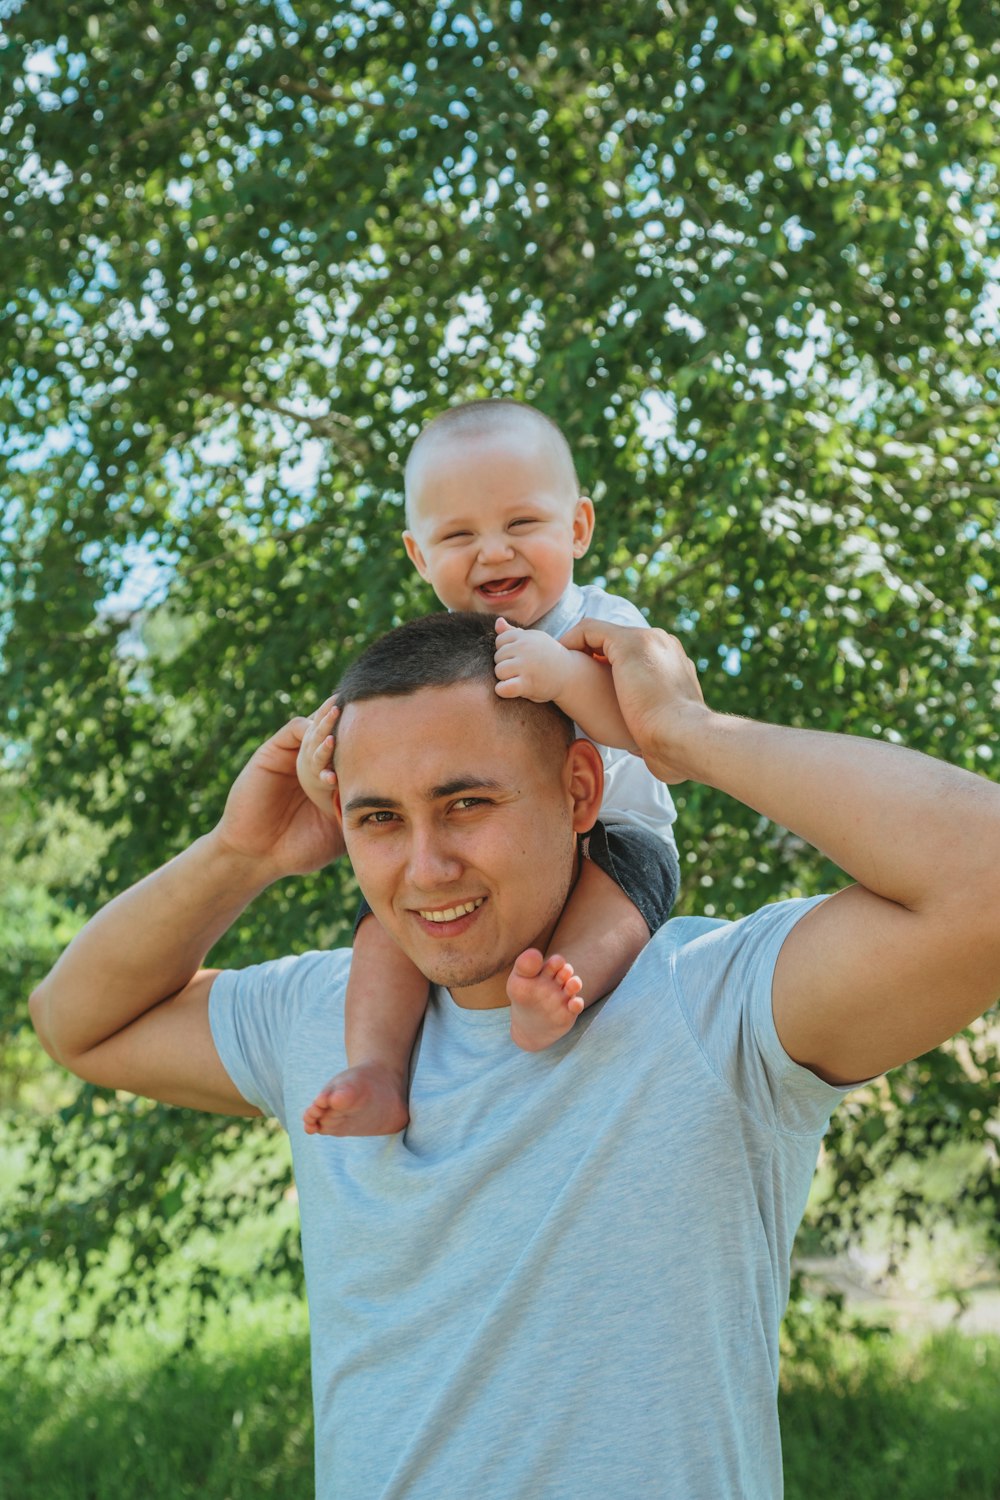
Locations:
{"points": [[524, 521], [457, 536]]}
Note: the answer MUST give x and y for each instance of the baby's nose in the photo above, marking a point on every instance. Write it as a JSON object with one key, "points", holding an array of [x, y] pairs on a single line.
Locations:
{"points": [[495, 545]]}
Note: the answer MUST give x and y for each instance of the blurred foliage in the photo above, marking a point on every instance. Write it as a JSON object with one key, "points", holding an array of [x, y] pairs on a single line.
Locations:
{"points": [[745, 255], [55, 848]]}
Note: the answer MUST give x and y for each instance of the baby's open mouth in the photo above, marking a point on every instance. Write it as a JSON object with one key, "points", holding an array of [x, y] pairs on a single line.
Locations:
{"points": [[501, 588]]}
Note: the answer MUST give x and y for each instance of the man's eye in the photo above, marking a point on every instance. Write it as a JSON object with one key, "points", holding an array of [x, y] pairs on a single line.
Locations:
{"points": [[464, 803], [380, 818]]}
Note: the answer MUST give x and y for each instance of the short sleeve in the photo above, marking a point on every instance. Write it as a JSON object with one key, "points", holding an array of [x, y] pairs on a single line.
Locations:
{"points": [[723, 978], [254, 1014], [598, 604]]}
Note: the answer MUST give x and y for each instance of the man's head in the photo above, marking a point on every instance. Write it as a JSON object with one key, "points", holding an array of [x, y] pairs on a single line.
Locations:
{"points": [[495, 518], [460, 808]]}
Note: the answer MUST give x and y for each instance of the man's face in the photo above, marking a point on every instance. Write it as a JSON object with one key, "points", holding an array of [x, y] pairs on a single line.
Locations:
{"points": [[461, 830], [496, 523]]}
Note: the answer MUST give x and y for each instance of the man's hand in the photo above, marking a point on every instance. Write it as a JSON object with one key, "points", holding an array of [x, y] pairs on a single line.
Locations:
{"points": [[657, 688], [268, 816], [529, 664]]}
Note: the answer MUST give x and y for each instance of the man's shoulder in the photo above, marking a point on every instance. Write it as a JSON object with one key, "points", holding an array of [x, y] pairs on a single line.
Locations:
{"points": [[721, 939], [293, 977], [275, 1022]]}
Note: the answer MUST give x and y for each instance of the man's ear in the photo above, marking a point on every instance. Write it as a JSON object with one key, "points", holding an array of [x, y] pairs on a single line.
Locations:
{"points": [[583, 525], [415, 555], [584, 772]]}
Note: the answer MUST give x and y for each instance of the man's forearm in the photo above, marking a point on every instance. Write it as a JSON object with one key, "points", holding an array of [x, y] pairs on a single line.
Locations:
{"points": [[144, 946], [903, 825]]}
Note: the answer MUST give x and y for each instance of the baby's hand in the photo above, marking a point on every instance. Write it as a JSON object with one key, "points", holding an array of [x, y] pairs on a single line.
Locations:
{"points": [[314, 765], [529, 664]]}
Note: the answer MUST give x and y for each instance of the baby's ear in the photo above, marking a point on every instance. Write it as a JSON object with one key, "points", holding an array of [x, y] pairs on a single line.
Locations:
{"points": [[583, 525], [415, 555]]}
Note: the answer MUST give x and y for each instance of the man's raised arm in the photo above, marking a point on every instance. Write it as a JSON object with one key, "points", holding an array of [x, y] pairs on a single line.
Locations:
{"points": [[126, 1006], [893, 965]]}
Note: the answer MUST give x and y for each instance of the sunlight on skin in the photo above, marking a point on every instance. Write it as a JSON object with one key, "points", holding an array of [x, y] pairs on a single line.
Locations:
{"points": [[365, 1100], [545, 999]]}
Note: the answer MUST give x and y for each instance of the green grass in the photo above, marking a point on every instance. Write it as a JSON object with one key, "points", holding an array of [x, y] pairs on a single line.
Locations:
{"points": [[890, 1420], [230, 1420]]}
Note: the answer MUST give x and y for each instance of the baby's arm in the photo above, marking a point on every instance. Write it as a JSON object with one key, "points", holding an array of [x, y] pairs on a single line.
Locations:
{"points": [[314, 765], [530, 664]]}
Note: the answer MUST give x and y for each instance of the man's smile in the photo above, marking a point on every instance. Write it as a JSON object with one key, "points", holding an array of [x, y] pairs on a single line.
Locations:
{"points": [[448, 921], [439, 915]]}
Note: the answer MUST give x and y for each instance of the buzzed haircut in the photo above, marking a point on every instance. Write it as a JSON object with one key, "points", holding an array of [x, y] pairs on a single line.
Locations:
{"points": [[474, 419], [443, 650]]}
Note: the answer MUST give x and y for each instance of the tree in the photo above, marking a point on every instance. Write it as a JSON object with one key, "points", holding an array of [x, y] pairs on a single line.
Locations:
{"points": [[743, 257]]}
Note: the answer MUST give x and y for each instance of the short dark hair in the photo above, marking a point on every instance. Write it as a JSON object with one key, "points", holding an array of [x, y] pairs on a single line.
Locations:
{"points": [[442, 650]]}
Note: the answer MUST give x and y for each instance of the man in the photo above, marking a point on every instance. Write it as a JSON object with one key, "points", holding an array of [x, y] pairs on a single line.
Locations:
{"points": [[565, 1278]]}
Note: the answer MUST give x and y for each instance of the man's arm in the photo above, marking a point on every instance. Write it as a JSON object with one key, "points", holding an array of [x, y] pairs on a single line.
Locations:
{"points": [[126, 1006], [895, 964]]}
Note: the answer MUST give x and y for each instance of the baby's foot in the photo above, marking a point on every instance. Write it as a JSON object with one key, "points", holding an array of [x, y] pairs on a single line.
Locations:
{"points": [[545, 999], [366, 1100]]}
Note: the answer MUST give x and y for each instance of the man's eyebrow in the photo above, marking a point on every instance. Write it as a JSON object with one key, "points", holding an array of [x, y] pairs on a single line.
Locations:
{"points": [[369, 799], [465, 784], [451, 788]]}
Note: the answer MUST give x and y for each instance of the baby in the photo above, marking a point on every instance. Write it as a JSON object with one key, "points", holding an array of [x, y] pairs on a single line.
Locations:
{"points": [[495, 521]]}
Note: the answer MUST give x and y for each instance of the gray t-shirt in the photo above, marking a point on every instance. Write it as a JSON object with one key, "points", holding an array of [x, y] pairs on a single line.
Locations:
{"points": [[564, 1280]]}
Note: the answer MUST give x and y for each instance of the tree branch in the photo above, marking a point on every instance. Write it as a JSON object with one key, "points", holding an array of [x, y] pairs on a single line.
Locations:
{"points": [[333, 425]]}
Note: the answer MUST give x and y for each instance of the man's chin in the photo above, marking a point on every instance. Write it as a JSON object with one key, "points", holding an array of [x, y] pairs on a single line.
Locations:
{"points": [[458, 972], [461, 976]]}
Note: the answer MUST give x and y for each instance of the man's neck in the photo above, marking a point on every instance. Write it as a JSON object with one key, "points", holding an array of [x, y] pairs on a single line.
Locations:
{"points": [[490, 994]]}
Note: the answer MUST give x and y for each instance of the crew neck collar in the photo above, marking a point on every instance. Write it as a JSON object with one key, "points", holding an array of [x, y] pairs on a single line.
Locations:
{"points": [[562, 614], [496, 1017]]}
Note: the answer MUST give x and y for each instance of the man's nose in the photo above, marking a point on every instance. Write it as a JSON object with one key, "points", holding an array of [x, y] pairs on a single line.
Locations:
{"points": [[432, 863]]}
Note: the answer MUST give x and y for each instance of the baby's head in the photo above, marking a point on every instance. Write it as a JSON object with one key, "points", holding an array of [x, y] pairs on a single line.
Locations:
{"points": [[494, 514]]}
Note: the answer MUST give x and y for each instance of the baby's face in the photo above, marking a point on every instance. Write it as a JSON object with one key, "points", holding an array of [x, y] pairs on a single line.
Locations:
{"points": [[495, 526]]}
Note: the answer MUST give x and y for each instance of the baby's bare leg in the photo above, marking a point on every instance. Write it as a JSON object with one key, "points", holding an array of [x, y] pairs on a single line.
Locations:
{"points": [[605, 935], [385, 1000]]}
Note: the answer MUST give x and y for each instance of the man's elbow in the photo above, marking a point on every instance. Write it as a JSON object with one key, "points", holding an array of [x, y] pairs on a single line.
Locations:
{"points": [[38, 1013]]}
